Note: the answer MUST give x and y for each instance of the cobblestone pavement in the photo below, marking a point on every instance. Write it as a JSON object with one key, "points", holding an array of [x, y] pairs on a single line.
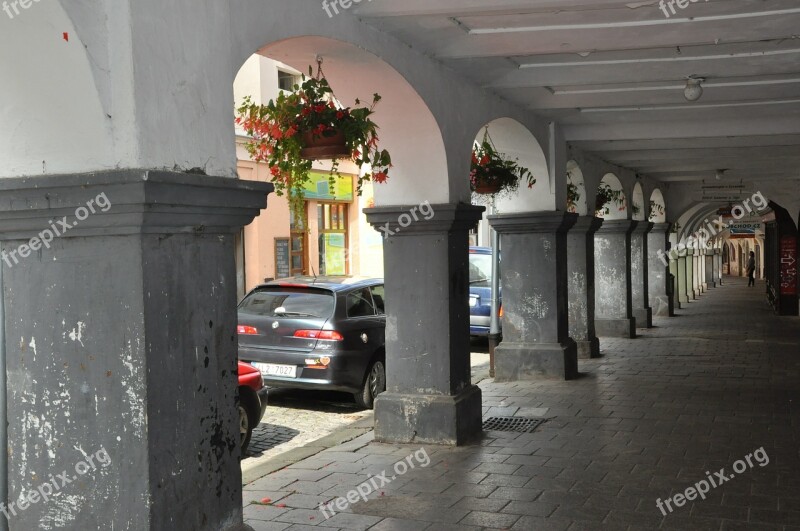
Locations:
{"points": [[294, 418], [653, 417]]}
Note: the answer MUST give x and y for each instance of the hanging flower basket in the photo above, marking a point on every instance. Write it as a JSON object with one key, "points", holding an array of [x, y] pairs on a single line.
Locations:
{"points": [[322, 147], [492, 174], [309, 124], [488, 188]]}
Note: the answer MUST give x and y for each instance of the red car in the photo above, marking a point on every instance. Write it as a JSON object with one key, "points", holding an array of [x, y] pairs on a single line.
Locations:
{"points": [[252, 402]]}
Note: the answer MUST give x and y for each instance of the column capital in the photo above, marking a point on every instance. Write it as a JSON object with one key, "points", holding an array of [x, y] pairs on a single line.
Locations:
{"points": [[625, 226], [586, 225], [533, 222], [642, 227], [129, 202], [661, 227], [402, 220]]}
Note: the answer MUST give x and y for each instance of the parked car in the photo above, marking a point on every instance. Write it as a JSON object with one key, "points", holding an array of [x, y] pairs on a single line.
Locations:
{"points": [[252, 402], [480, 291], [317, 333]]}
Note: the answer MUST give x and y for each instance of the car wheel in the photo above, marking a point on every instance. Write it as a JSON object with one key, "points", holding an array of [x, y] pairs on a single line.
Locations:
{"points": [[245, 429], [374, 384]]}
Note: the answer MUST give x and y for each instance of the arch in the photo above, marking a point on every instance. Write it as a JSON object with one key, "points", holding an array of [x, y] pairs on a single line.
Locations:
{"points": [[577, 199], [657, 208], [638, 209], [408, 129], [514, 141], [612, 210]]}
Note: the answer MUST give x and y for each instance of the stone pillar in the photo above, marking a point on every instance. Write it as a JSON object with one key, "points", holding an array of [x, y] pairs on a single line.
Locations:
{"points": [[120, 340], [683, 279], [696, 276], [536, 340], [701, 271], [581, 282], [429, 397], [709, 269], [718, 266], [640, 286], [658, 271], [613, 297], [673, 275], [691, 293]]}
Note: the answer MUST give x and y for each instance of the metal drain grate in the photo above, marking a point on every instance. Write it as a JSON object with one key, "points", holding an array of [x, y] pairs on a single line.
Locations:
{"points": [[514, 424]]}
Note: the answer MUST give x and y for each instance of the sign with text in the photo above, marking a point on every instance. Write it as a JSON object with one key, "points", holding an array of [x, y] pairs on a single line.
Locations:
{"points": [[789, 265]]}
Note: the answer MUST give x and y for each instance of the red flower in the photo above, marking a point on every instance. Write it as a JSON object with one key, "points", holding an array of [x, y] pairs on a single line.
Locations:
{"points": [[306, 111], [380, 177], [275, 171], [340, 115], [291, 131]]}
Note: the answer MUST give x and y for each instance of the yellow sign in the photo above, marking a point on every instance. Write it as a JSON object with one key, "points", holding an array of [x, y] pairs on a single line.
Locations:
{"points": [[319, 188]]}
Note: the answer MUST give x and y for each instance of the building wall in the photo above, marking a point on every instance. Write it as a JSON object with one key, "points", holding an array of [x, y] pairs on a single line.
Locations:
{"points": [[258, 79]]}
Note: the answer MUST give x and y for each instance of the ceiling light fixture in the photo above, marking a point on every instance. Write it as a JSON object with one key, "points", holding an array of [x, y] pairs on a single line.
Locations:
{"points": [[694, 88]]}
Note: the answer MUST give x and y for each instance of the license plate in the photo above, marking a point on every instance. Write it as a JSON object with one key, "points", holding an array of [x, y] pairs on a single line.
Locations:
{"points": [[271, 369]]}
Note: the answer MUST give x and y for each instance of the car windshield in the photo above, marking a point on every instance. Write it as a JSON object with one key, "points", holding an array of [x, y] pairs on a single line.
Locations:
{"points": [[287, 302], [480, 270]]}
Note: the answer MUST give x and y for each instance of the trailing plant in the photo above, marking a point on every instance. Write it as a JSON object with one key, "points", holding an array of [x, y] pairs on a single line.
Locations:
{"points": [[573, 196], [490, 169], [636, 209], [656, 210], [605, 196], [281, 129]]}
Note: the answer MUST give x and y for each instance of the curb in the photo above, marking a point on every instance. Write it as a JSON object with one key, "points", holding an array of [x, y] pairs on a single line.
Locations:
{"points": [[348, 433]]}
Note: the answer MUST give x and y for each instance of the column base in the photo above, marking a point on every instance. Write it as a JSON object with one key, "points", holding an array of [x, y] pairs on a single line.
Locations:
{"points": [[452, 420], [527, 361], [625, 328], [588, 349], [662, 307], [643, 317]]}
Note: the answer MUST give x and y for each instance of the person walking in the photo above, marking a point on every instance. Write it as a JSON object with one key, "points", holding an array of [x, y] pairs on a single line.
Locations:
{"points": [[751, 269]]}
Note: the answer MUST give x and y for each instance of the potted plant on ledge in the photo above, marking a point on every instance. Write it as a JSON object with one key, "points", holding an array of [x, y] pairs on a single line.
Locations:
{"points": [[492, 174], [605, 196], [309, 124]]}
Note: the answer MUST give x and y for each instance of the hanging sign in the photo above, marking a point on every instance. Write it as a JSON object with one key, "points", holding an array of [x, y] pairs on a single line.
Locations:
{"points": [[789, 265]]}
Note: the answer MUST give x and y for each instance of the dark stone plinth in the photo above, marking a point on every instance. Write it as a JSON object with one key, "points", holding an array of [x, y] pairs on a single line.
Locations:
{"points": [[613, 292], [536, 340], [120, 339], [429, 395]]}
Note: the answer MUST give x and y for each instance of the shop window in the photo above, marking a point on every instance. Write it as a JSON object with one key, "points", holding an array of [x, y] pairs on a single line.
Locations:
{"points": [[333, 238]]}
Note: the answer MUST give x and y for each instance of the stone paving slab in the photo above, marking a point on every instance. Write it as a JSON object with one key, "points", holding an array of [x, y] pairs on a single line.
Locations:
{"points": [[654, 416]]}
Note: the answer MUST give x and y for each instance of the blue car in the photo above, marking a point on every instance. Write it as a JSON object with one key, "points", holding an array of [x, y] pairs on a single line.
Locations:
{"points": [[480, 291]]}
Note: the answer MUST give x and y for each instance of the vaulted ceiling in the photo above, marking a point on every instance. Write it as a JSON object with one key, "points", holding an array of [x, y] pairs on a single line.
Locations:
{"points": [[613, 73]]}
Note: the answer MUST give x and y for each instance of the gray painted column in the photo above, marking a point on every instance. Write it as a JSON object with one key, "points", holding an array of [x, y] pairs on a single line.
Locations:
{"points": [[718, 266], [658, 271], [429, 397], [536, 340], [640, 284], [581, 282], [683, 281], [690, 294], [695, 273], [673, 275], [121, 343], [709, 265], [702, 270], [613, 293]]}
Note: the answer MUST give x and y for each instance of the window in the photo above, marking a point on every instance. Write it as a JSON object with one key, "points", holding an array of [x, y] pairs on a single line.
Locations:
{"points": [[480, 270], [379, 295], [332, 227], [359, 304], [295, 303], [286, 80]]}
